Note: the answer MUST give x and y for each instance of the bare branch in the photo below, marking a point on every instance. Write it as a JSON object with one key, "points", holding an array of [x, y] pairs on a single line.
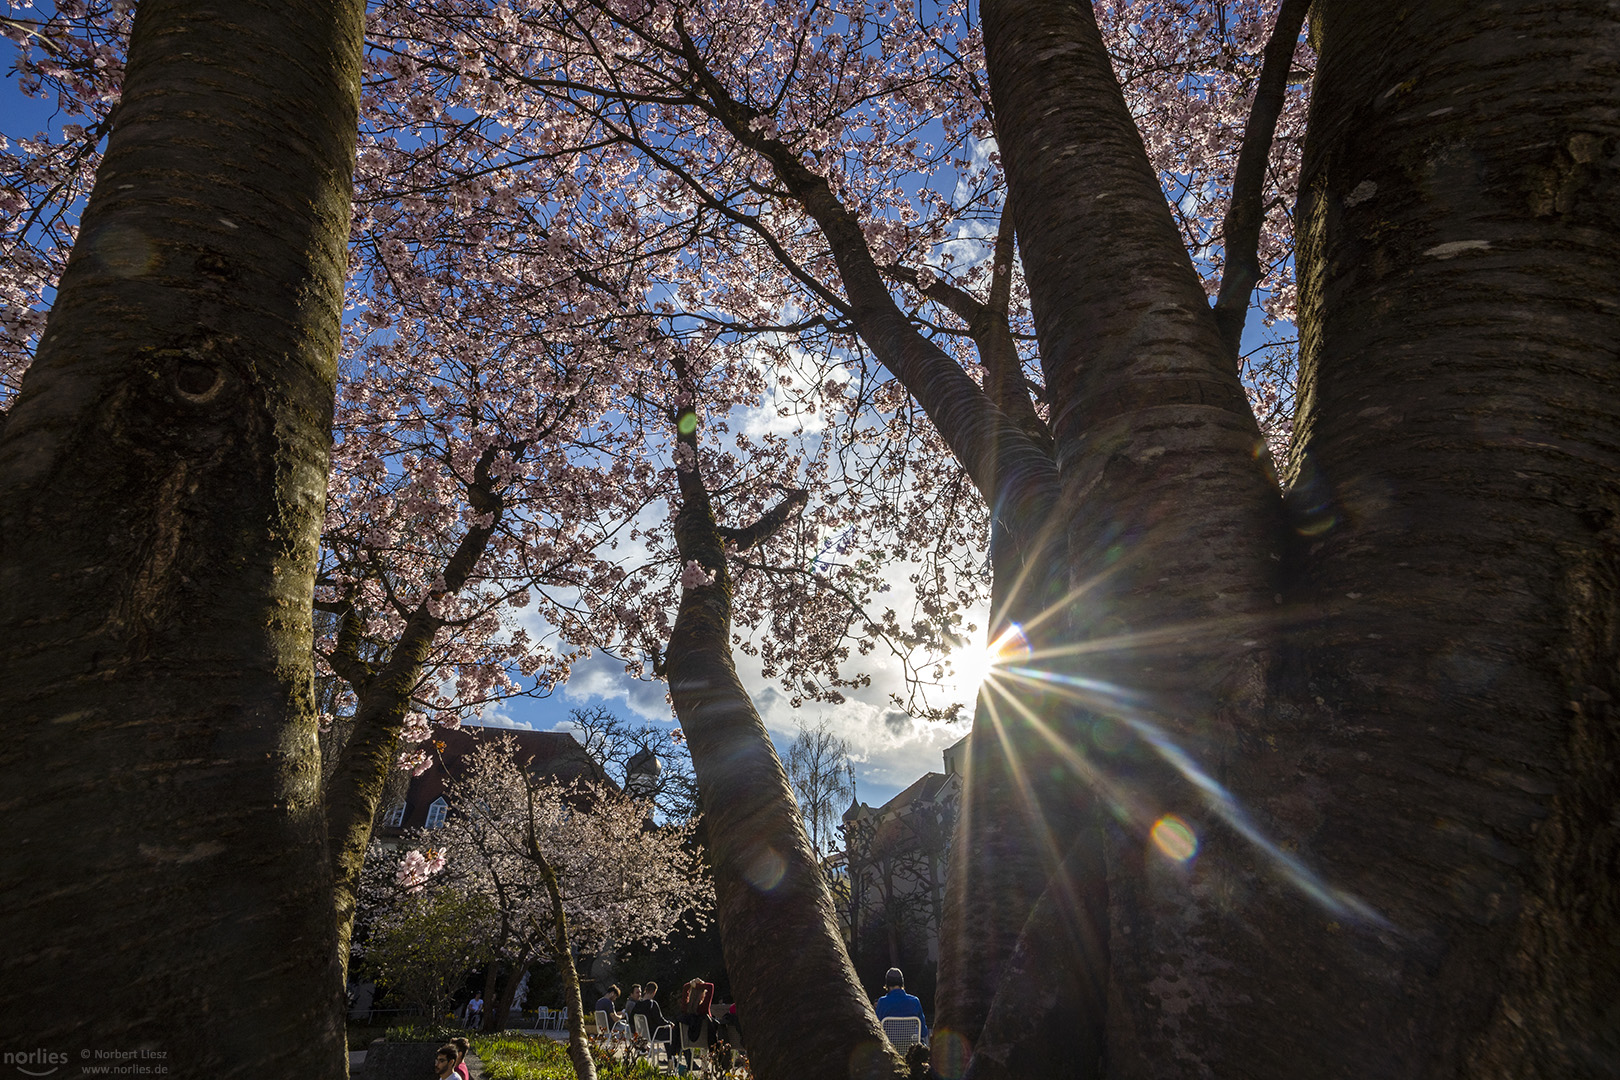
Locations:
{"points": [[1245, 213], [767, 526]]}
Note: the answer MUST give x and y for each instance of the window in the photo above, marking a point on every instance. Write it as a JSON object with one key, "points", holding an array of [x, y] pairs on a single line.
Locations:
{"points": [[395, 817], [437, 812]]}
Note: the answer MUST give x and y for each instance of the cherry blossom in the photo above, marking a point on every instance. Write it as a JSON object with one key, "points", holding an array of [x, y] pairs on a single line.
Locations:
{"points": [[542, 201]]}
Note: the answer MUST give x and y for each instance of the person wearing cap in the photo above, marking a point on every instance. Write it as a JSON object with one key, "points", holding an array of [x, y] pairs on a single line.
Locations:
{"points": [[899, 1003]]}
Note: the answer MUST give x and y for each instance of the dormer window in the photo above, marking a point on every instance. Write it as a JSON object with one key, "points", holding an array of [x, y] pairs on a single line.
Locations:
{"points": [[437, 812], [395, 817]]}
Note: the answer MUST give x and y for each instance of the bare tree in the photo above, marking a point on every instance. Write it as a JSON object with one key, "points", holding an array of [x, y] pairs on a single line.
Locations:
{"points": [[620, 747], [818, 767]]}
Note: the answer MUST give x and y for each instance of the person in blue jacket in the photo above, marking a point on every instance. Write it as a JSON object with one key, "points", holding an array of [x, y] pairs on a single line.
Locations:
{"points": [[899, 1003]]}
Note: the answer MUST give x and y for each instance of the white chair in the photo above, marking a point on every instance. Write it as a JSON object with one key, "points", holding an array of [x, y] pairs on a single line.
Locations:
{"points": [[559, 1019], [613, 1033], [903, 1031], [656, 1042], [695, 1050]]}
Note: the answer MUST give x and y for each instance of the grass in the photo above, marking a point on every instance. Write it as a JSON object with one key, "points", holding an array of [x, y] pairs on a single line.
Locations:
{"points": [[510, 1055], [514, 1055]]}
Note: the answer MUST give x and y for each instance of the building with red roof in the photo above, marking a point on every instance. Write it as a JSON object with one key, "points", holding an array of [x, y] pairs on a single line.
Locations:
{"points": [[556, 754]]}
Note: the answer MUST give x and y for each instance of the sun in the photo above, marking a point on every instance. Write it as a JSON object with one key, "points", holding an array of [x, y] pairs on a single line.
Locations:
{"points": [[975, 665]]}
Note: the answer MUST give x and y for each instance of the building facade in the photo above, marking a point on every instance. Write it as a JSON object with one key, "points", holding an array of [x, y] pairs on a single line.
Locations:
{"points": [[889, 880], [424, 801]]}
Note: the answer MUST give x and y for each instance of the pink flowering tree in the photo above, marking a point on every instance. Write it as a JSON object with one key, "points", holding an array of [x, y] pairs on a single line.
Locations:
{"points": [[563, 869], [792, 136], [453, 242], [471, 498], [1367, 721]]}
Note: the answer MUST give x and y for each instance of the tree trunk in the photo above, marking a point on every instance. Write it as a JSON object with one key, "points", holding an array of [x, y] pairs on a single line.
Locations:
{"points": [[579, 1050], [1000, 443], [891, 914], [162, 476], [384, 699], [1063, 956], [492, 975], [1407, 864], [503, 1006], [804, 1006], [1014, 813], [1455, 462]]}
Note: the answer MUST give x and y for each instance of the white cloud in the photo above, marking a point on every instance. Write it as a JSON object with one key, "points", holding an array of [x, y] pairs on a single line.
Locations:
{"points": [[888, 748], [601, 678]]}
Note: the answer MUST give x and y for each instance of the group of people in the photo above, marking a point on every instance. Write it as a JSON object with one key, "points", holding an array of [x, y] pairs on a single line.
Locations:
{"points": [[693, 1011], [693, 1006]]}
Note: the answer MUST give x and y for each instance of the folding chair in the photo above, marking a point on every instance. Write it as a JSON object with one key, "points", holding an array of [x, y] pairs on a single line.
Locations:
{"points": [[609, 1032], [692, 1049], [657, 1044], [903, 1031]]}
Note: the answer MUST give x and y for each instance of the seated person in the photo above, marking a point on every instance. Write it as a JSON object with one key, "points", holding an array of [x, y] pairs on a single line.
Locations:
{"points": [[655, 1016], [899, 1003], [692, 1009], [608, 1003], [725, 1017]]}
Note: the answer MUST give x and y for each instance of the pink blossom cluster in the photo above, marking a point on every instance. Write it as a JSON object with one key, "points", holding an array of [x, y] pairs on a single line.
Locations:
{"points": [[416, 868]]}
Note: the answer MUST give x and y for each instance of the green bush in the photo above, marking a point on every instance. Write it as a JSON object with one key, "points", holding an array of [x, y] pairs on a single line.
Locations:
{"points": [[421, 949], [421, 1032]]}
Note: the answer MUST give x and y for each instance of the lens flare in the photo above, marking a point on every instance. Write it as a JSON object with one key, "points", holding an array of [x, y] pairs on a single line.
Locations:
{"points": [[1130, 707], [868, 1061], [950, 1053], [123, 250], [1174, 838], [765, 869], [1011, 647]]}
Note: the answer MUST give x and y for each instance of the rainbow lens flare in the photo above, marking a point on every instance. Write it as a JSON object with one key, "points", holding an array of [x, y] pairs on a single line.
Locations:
{"points": [[1174, 838]]}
